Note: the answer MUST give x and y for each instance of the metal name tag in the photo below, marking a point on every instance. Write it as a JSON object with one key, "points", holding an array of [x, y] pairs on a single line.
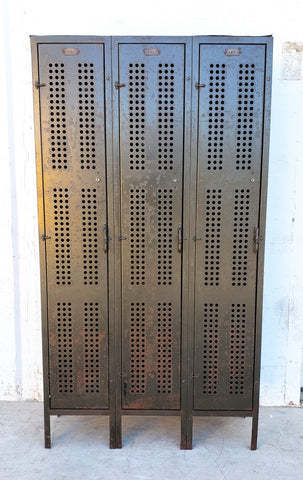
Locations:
{"points": [[71, 51], [151, 51], [232, 51]]}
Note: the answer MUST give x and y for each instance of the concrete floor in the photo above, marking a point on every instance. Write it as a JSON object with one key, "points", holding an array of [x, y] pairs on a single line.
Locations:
{"points": [[150, 447]]}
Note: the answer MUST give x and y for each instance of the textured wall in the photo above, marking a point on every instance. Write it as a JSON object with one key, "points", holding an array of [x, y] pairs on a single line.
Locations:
{"points": [[20, 337]]}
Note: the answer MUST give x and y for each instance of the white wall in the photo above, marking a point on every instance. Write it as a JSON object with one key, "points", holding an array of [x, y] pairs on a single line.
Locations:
{"points": [[20, 337]]}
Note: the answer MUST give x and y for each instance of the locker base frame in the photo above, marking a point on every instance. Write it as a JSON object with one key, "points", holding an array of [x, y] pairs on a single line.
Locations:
{"points": [[115, 422]]}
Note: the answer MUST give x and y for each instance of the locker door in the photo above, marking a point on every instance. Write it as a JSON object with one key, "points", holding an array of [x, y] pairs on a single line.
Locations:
{"points": [[73, 162], [228, 189], [151, 108]]}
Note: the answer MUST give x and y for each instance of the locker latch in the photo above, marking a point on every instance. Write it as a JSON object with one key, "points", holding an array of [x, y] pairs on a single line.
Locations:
{"points": [[38, 84], [119, 85], [200, 85], [179, 238], [256, 238], [45, 237], [105, 238]]}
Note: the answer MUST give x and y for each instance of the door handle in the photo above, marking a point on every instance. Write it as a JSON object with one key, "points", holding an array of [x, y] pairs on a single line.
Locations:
{"points": [[179, 238], [105, 238], [256, 238]]}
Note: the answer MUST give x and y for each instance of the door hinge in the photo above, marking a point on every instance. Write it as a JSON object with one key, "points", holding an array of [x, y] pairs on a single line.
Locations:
{"points": [[38, 84], [45, 237], [119, 85]]}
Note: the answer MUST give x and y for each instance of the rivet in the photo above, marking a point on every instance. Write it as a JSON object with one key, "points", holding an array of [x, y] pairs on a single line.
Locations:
{"points": [[188, 78], [175, 180], [252, 180], [107, 77], [98, 179]]}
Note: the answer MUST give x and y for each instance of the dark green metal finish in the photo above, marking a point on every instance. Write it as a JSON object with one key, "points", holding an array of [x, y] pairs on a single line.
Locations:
{"points": [[152, 160], [220, 324], [228, 186], [73, 156]]}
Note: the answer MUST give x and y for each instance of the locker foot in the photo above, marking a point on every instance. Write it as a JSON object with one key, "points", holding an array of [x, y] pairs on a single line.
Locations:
{"points": [[254, 431], [186, 432], [47, 443], [115, 433], [47, 433], [186, 444]]}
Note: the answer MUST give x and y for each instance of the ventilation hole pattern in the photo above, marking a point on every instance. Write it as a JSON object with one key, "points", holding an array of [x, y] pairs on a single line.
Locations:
{"points": [[246, 91], [65, 348], [166, 89], [164, 349], [62, 236], [165, 236], [210, 348], [136, 99], [58, 141], [137, 349], [240, 237], [216, 116], [86, 92], [237, 349], [92, 339], [137, 236], [90, 236], [212, 237]]}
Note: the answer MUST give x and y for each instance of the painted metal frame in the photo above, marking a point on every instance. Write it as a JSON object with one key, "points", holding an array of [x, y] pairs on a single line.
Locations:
{"points": [[186, 207], [35, 41], [114, 253], [254, 412]]}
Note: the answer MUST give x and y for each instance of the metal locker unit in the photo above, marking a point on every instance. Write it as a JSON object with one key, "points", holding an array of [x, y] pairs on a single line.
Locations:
{"points": [[151, 123], [152, 168]]}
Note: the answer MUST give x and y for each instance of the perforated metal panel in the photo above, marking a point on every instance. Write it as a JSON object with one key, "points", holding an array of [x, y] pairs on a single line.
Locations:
{"points": [[151, 135], [73, 157], [152, 286], [229, 156]]}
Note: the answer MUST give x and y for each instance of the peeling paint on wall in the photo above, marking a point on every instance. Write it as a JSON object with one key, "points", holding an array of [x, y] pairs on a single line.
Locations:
{"points": [[292, 61]]}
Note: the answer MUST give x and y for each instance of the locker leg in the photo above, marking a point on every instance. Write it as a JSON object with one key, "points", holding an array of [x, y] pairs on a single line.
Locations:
{"points": [[186, 432], [183, 432], [254, 431], [47, 433], [115, 431]]}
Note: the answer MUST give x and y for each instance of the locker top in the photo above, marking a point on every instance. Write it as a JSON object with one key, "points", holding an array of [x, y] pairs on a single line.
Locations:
{"points": [[266, 39]]}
